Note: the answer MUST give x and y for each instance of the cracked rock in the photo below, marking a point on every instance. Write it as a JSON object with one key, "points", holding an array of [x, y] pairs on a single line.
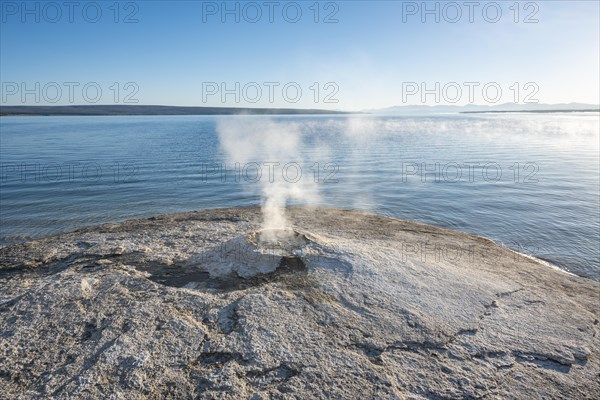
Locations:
{"points": [[194, 305]]}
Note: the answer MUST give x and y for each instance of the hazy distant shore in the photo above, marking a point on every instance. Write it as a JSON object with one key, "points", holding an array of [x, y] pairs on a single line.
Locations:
{"points": [[527, 111], [106, 110], [133, 110]]}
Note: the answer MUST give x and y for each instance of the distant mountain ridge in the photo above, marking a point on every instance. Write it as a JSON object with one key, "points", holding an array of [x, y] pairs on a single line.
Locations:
{"points": [[471, 108], [121, 109]]}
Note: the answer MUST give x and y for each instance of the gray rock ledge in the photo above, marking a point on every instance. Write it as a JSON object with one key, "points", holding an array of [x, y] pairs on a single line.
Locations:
{"points": [[356, 306]]}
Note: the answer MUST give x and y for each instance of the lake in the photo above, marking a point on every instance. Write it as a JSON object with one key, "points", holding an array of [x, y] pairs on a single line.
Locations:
{"points": [[529, 181]]}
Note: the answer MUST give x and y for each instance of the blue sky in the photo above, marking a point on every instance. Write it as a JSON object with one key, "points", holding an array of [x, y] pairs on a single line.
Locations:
{"points": [[376, 54]]}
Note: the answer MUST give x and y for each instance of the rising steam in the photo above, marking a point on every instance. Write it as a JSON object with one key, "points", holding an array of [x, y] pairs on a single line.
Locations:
{"points": [[353, 143], [272, 145]]}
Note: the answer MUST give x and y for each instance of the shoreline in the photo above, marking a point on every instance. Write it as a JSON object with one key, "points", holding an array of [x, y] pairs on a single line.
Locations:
{"points": [[87, 228]]}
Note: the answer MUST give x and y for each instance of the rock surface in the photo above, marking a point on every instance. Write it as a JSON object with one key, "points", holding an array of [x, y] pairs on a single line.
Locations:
{"points": [[358, 306]]}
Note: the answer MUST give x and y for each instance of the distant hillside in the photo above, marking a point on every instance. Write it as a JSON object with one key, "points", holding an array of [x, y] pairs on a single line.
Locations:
{"points": [[152, 110], [474, 108]]}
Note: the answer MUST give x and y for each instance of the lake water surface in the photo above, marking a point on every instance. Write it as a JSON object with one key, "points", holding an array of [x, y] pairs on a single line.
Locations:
{"points": [[530, 181]]}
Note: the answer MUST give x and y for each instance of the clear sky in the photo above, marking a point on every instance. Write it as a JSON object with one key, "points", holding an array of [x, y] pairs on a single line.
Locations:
{"points": [[364, 54]]}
